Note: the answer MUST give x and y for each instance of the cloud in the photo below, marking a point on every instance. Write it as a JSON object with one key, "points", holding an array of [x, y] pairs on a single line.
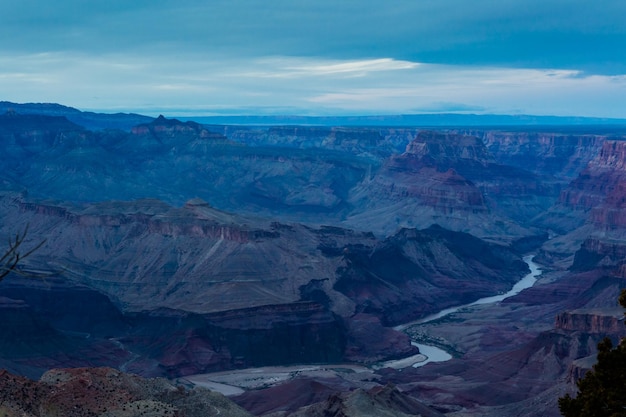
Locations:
{"points": [[360, 68], [312, 67], [535, 56], [304, 85], [448, 107], [570, 34]]}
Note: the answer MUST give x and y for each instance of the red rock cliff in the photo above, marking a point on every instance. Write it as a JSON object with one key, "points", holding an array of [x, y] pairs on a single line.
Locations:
{"points": [[609, 321]]}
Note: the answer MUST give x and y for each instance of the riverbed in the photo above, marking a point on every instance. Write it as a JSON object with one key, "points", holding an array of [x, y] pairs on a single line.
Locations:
{"points": [[435, 354], [526, 282], [237, 381]]}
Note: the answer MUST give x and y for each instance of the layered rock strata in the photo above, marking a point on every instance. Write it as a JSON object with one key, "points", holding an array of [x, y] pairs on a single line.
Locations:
{"points": [[196, 289]]}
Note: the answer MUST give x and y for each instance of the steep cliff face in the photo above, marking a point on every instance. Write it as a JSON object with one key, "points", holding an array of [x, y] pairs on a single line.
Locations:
{"points": [[171, 132], [555, 154], [601, 181], [161, 256], [608, 172], [378, 142], [520, 354], [601, 253], [175, 161], [524, 377], [446, 149], [410, 273], [607, 321], [445, 192], [452, 180], [194, 286], [421, 186], [51, 324], [57, 323], [202, 260], [177, 343], [589, 211], [29, 136], [443, 178]]}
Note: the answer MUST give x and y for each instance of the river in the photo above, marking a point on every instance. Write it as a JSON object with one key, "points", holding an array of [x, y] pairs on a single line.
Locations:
{"points": [[435, 354], [236, 381]]}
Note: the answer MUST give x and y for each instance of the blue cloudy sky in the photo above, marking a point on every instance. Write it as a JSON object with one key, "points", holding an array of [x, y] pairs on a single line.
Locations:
{"points": [[317, 57]]}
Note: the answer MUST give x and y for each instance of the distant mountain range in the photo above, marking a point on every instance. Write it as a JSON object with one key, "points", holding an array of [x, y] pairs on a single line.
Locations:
{"points": [[421, 120], [125, 121], [89, 120]]}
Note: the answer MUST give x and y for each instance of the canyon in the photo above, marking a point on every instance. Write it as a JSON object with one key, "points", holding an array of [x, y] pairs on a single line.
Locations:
{"points": [[171, 249]]}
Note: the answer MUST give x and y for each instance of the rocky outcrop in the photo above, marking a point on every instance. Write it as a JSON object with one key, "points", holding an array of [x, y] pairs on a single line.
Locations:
{"points": [[377, 142], [201, 260], [562, 155], [444, 149], [174, 284], [579, 368], [452, 180], [194, 258], [88, 120], [443, 178], [589, 210], [502, 380], [289, 397], [410, 273], [172, 131], [599, 253], [596, 321], [422, 185], [107, 392], [600, 180], [446, 192], [175, 161], [193, 289], [378, 401], [311, 398], [368, 341]]}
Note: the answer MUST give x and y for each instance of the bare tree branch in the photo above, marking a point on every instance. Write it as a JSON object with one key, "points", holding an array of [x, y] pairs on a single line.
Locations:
{"points": [[11, 260]]}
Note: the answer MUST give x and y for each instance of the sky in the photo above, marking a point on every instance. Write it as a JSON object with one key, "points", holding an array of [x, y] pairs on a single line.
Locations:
{"points": [[317, 57]]}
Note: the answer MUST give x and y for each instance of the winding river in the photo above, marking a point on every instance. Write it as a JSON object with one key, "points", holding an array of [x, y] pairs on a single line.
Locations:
{"points": [[237, 381], [435, 354]]}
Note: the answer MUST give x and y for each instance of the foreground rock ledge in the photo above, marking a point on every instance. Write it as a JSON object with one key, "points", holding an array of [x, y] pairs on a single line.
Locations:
{"points": [[106, 392]]}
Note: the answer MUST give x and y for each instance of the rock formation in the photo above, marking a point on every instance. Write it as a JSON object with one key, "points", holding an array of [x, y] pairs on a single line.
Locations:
{"points": [[379, 401], [597, 321], [173, 249], [452, 180], [106, 392], [588, 212], [195, 289], [560, 155]]}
